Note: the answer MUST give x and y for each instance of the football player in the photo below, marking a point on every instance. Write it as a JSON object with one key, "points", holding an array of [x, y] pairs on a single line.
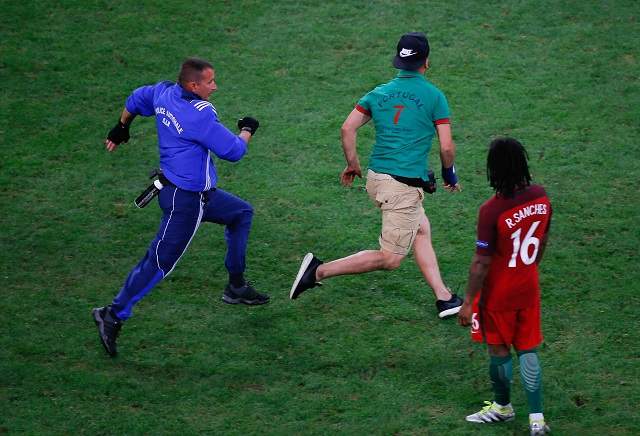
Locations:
{"points": [[502, 302]]}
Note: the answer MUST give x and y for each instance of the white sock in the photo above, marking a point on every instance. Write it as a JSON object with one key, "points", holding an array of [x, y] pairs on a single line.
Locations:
{"points": [[536, 417]]}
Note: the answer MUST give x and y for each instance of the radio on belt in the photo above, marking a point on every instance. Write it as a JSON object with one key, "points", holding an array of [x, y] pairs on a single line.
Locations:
{"points": [[148, 194]]}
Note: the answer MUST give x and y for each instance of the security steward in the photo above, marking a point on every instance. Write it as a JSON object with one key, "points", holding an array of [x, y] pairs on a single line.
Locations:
{"points": [[188, 130]]}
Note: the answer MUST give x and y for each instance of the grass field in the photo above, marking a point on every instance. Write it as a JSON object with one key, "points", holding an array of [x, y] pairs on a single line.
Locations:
{"points": [[363, 354]]}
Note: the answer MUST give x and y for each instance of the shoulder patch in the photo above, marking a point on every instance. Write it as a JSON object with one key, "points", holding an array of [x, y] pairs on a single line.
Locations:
{"points": [[201, 105]]}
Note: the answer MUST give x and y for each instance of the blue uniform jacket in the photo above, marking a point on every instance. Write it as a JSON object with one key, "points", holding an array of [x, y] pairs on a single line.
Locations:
{"points": [[188, 128]]}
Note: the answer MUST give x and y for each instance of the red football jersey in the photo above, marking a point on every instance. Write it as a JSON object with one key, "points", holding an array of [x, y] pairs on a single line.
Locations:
{"points": [[510, 231]]}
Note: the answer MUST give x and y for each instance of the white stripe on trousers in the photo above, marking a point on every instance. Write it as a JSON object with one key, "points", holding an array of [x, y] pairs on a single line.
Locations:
{"points": [[173, 206]]}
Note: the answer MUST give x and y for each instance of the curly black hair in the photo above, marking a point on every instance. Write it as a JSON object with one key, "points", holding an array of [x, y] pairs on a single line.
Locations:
{"points": [[507, 168]]}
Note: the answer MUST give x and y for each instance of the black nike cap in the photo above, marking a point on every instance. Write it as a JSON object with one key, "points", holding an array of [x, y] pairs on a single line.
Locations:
{"points": [[412, 51]]}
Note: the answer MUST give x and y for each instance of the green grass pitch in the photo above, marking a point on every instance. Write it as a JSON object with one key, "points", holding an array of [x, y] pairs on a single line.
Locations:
{"points": [[363, 354]]}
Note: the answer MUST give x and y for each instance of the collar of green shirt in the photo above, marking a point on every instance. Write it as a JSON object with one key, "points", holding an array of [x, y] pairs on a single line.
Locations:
{"points": [[406, 74]]}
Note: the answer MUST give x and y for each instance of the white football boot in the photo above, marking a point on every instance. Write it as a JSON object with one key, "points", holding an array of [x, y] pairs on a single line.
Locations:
{"points": [[492, 412], [538, 427]]}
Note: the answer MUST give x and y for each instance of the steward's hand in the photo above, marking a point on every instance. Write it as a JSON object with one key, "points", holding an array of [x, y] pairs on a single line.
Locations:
{"points": [[349, 174], [248, 124], [117, 135]]}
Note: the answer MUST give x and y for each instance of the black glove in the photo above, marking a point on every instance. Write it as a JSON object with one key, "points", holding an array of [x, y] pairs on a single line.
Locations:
{"points": [[119, 133], [248, 124]]}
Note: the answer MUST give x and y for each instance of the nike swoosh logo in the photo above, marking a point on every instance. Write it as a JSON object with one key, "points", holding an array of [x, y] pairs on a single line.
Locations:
{"points": [[406, 52]]}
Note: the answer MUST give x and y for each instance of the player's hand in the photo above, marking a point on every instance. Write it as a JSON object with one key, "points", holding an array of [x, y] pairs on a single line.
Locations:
{"points": [[464, 316], [248, 124], [453, 188], [349, 174], [117, 135]]}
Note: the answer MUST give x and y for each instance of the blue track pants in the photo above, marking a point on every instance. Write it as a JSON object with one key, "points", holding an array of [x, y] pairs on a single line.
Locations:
{"points": [[183, 211]]}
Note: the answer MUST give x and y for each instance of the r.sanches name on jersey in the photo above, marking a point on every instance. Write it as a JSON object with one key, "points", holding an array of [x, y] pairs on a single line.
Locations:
{"points": [[527, 211], [167, 114]]}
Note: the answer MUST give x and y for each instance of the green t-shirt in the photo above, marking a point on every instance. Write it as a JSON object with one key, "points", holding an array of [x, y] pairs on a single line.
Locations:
{"points": [[405, 112]]}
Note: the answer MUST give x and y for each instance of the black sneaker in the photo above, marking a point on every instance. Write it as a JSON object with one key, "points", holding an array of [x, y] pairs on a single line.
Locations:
{"points": [[306, 278], [245, 295], [449, 308], [108, 328]]}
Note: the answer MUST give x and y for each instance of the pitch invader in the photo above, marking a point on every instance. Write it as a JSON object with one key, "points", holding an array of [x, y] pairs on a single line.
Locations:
{"points": [[502, 302], [407, 113]]}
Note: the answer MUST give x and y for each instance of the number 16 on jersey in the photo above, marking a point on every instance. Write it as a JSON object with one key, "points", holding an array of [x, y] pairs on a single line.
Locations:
{"points": [[522, 247]]}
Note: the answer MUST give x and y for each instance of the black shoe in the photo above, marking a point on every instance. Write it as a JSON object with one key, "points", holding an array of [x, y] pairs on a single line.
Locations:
{"points": [[245, 295], [449, 308], [306, 278], [108, 328]]}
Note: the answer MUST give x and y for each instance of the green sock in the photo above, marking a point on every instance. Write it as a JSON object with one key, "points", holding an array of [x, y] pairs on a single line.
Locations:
{"points": [[531, 376], [501, 373]]}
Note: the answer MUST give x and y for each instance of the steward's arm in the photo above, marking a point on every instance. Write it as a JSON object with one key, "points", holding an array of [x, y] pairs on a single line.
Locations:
{"points": [[224, 143]]}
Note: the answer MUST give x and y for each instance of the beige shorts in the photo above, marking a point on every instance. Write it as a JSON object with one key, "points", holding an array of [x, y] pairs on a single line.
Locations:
{"points": [[402, 211]]}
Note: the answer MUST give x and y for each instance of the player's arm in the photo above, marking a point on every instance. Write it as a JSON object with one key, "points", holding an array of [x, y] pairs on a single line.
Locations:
{"points": [[477, 274], [447, 156], [543, 240], [120, 132], [348, 134], [543, 245]]}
